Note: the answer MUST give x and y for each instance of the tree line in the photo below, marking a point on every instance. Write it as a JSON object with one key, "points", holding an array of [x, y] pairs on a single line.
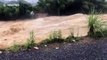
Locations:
{"points": [[71, 6], [54, 7]]}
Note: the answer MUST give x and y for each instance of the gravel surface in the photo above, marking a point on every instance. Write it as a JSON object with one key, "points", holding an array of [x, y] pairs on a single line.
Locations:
{"points": [[91, 50]]}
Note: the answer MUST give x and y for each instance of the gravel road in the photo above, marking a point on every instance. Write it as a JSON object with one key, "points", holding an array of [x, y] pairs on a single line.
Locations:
{"points": [[91, 50]]}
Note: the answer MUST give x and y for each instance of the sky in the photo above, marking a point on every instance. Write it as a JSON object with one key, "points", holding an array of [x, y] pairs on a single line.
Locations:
{"points": [[30, 1]]}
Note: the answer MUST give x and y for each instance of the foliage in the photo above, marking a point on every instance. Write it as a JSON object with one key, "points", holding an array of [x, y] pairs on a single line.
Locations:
{"points": [[97, 26], [53, 6], [72, 38], [8, 12], [14, 48], [25, 8], [97, 4], [57, 7], [60, 6], [29, 44]]}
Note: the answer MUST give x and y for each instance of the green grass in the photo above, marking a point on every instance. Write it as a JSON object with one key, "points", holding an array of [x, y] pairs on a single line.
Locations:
{"points": [[55, 36], [97, 26], [72, 38], [14, 48], [30, 42], [28, 45]]}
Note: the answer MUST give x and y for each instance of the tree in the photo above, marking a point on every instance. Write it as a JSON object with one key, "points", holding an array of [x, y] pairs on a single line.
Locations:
{"points": [[10, 12], [25, 8], [53, 6], [57, 6]]}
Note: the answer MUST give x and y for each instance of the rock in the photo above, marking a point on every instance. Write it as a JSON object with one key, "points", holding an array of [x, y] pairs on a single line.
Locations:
{"points": [[74, 40], [56, 48], [36, 48], [1, 52], [20, 29], [45, 45]]}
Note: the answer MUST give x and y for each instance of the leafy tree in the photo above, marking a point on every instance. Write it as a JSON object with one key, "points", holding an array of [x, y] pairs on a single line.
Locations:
{"points": [[25, 8], [8, 12], [53, 6]]}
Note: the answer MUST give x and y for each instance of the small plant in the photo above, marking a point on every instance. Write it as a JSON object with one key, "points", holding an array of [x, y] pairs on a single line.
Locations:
{"points": [[14, 48], [30, 42], [72, 38], [56, 36], [97, 28]]}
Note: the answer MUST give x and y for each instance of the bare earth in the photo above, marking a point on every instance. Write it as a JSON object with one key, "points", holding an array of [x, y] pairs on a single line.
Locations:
{"points": [[17, 32]]}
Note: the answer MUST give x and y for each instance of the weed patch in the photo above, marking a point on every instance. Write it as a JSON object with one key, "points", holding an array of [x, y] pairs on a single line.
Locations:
{"points": [[97, 26], [14, 48], [55, 36], [30, 42], [72, 38]]}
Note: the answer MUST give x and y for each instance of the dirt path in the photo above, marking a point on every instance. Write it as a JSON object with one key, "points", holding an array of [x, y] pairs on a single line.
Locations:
{"points": [[17, 32]]}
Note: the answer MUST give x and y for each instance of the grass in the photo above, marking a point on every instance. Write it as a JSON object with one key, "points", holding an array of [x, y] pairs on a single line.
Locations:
{"points": [[97, 26], [72, 38], [28, 45], [14, 48], [55, 36], [30, 42]]}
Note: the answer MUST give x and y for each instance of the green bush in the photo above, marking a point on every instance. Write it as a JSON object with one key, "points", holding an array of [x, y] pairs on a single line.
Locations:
{"points": [[97, 26]]}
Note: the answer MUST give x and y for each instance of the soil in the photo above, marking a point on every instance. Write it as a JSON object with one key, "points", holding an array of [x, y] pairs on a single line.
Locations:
{"points": [[17, 32], [86, 49]]}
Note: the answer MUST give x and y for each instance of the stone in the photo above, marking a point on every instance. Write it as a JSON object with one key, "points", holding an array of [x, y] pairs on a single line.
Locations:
{"points": [[45, 45], [56, 48], [36, 48], [74, 40], [1, 52]]}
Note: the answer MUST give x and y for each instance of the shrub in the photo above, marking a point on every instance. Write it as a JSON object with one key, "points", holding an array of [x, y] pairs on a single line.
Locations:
{"points": [[97, 26]]}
